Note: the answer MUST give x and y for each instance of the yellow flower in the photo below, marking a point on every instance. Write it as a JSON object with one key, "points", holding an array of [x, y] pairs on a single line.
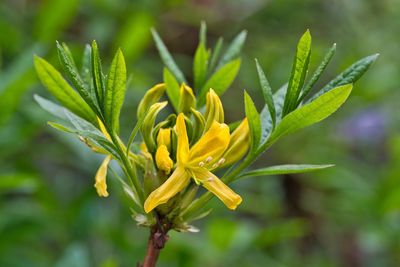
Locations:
{"points": [[101, 175], [197, 162]]}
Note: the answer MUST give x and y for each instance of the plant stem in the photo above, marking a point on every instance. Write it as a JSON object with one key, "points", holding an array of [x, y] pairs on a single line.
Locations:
{"points": [[158, 238]]}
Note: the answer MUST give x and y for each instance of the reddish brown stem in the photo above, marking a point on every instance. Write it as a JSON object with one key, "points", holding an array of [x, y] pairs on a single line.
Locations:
{"points": [[158, 238]]}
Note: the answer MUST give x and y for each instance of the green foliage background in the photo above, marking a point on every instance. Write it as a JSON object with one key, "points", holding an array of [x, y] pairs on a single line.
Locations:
{"points": [[349, 215]]}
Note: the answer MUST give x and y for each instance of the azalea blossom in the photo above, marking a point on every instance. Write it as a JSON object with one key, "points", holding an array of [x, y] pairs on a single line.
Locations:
{"points": [[197, 162]]}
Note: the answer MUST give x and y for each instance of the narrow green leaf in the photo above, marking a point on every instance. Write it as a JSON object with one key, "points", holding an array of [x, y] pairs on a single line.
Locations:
{"points": [[318, 72], [233, 50], [51, 107], [72, 72], [97, 75], [85, 70], [115, 93], [312, 112], [200, 65], [172, 88], [284, 169], [60, 127], [299, 71], [133, 134], [64, 93], [254, 121], [220, 80], [267, 92], [167, 58], [350, 75], [265, 115], [203, 34], [215, 54], [81, 126], [96, 138]]}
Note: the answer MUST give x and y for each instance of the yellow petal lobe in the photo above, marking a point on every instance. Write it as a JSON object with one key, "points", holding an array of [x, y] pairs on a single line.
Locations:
{"points": [[178, 180], [100, 179], [182, 153], [213, 184], [210, 146]]}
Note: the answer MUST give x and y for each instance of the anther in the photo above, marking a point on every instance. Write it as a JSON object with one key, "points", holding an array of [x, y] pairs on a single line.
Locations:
{"points": [[215, 165], [210, 179], [201, 164], [221, 161], [208, 159]]}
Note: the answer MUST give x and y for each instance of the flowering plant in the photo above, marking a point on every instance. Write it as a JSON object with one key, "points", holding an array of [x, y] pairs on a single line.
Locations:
{"points": [[166, 161]]}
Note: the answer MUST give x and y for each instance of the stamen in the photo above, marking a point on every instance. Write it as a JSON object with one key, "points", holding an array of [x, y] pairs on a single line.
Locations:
{"points": [[208, 159], [201, 164], [215, 165], [221, 161]]}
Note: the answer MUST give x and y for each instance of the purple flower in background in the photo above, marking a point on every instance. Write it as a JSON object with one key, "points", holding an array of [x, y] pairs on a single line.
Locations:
{"points": [[366, 126]]}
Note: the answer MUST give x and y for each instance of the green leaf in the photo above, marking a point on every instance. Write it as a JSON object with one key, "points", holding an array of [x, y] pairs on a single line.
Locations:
{"points": [[265, 115], [215, 54], [350, 75], [284, 169], [220, 80], [299, 71], [85, 70], [312, 112], [64, 93], [267, 92], [167, 58], [133, 134], [203, 34], [172, 88], [115, 92], [72, 73], [200, 66], [233, 50], [95, 138], [318, 72], [81, 127], [254, 121], [51, 107], [97, 75]]}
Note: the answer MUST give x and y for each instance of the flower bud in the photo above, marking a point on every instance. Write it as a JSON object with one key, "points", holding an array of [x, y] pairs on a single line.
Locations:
{"points": [[164, 138], [148, 125], [152, 96], [163, 161], [199, 123], [214, 109], [238, 145], [187, 100]]}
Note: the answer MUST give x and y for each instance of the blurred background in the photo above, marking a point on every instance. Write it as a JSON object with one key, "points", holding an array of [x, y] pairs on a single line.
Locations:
{"points": [[349, 215]]}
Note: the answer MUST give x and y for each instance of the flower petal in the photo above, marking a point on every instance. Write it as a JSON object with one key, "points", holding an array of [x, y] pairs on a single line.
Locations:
{"points": [[178, 180], [183, 140], [211, 145], [100, 179], [213, 184]]}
